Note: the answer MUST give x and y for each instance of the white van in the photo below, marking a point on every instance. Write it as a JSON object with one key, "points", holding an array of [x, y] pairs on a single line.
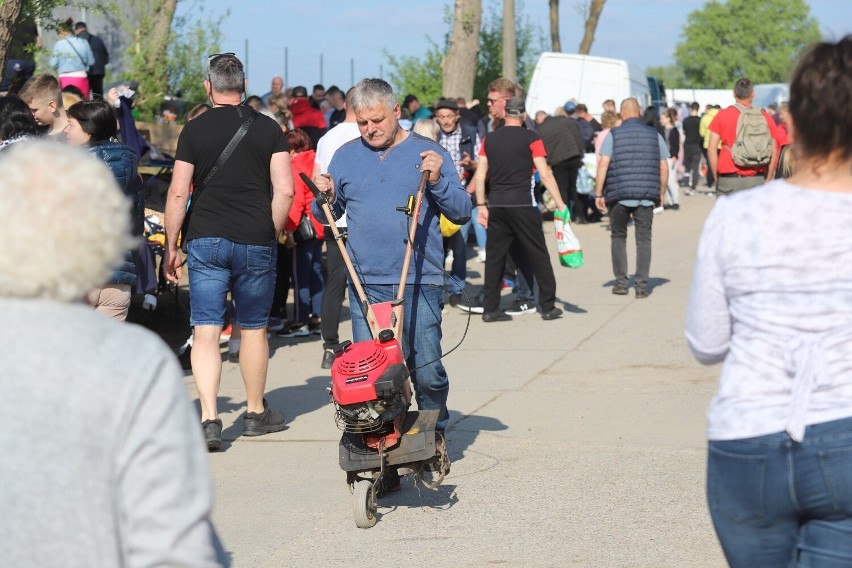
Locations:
{"points": [[560, 77]]}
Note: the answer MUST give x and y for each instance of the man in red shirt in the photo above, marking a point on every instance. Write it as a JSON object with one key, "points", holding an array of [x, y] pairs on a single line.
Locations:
{"points": [[729, 176], [507, 157]]}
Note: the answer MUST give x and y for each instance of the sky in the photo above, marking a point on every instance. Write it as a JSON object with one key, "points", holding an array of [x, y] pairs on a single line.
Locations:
{"points": [[351, 37]]}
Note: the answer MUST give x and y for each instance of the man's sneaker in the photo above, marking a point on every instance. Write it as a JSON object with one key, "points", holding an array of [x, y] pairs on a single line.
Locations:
{"points": [[455, 300], [295, 329], [328, 357], [276, 324], [640, 294], [520, 308], [496, 316], [212, 434], [266, 422], [551, 314], [315, 326], [474, 307], [620, 290], [480, 256], [233, 356]]}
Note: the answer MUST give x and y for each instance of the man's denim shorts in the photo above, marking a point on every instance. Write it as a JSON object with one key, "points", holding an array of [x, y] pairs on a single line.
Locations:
{"points": [[217, 266]]}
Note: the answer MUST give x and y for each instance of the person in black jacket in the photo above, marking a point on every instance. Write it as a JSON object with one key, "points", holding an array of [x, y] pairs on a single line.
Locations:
{"points": [[93, 124], [96, 71]]}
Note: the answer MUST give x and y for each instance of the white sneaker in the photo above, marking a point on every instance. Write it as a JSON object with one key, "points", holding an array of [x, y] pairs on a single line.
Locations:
{"points": [[448, 262], [480, 256]]}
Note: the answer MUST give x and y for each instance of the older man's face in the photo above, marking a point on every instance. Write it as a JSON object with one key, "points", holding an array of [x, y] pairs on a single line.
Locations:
{"points": [[277, 84], [447, 119], [378, 125]]}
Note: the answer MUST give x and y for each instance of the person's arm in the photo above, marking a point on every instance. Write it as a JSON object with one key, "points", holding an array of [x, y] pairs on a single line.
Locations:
{"points": [[549, 181], [664, 179], [708, 317], [176, 200], [479, 188], [713, 154], [600, 179], [282, 188], [445, 187]]}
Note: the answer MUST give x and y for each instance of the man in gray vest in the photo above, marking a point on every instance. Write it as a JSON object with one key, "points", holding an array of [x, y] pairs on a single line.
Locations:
{"points": [[631, 181]]}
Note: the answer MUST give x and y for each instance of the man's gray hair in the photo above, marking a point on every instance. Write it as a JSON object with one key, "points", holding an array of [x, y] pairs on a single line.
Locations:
{"points": [[35, 202], [226, 74], [369, 93]]}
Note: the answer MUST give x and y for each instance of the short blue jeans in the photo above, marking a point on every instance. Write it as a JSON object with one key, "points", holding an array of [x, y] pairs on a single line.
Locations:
{"points": [[421, 341], [216, 266], [776, 503]]}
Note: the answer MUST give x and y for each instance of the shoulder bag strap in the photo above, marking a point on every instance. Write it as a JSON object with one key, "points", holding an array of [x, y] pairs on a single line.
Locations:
{"points": [[80, 57], [220, 161]]}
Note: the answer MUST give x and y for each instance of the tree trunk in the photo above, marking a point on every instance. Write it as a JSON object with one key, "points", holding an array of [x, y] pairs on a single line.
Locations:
{"points": [[595, 9], [9, 12], [554, 26], [510, 44], [160, 33], [459, 65]]}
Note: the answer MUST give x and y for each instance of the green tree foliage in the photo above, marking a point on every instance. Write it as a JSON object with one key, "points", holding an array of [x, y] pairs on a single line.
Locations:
{"points": [[421, 76], [758, 39], [192, 42], [530, 40], [671, 75]]}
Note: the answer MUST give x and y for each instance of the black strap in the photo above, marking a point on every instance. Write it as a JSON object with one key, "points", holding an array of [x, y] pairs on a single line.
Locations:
{"points": [[220, 161], [80, 57]]}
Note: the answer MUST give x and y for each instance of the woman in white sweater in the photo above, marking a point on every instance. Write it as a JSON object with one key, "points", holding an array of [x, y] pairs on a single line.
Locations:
{"points": [[772, 299]]}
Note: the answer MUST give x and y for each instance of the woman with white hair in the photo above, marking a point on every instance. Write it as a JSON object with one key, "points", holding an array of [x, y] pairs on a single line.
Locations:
{"points": [[103, 462]]}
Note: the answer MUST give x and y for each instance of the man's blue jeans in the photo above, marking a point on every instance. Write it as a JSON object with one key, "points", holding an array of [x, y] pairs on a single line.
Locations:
{"points": [[421, 341], [778, 503]]}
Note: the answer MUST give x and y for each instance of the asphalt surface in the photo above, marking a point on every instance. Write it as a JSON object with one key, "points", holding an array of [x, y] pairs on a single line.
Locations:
{"points": [[575, 442]]}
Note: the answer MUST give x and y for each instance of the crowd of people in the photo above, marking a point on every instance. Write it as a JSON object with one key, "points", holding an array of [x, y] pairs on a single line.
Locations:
{"points": [[252, 231]]}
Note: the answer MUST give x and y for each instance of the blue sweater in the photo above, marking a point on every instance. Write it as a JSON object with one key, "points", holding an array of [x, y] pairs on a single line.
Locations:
{"points": [[369, 185]]}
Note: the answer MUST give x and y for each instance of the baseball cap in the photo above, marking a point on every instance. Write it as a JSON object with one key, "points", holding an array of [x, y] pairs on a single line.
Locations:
{"points": [[447, 103], [299, 91], [515, 106], [570, 107]]}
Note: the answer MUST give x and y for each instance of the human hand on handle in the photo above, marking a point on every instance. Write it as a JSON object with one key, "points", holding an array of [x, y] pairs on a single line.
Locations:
{"points": [[325, 185], [432, 162]]}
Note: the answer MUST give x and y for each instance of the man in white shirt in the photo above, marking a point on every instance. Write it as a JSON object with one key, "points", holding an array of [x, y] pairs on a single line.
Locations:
{"points": [[335, 284]]}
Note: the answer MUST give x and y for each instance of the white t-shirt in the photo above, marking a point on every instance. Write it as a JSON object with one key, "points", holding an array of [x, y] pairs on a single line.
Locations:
{"points": [[334, 139], [328, 145], [772, 297]]}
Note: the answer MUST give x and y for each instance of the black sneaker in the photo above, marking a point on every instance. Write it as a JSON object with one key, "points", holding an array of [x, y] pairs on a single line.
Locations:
{"points": [[551, 314], [266, 422], [521, 307], [327, 359], [496, 316], [233, 356], [455, 300], [475, 306], [212, 434], [295, 329], [620, 290]]}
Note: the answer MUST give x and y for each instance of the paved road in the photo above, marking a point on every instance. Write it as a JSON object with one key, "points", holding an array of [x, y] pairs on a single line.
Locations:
{"points": [[577, 442]]}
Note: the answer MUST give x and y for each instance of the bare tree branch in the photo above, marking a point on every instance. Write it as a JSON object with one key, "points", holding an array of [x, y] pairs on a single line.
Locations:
{"points": [[595, 9]]}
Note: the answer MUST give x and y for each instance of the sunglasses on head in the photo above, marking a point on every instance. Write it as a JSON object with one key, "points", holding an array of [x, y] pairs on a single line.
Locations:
{"points": [[210, 58]]}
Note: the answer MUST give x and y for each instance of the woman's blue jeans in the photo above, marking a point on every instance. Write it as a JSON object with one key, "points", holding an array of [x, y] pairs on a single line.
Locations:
{"points": [[777, 503], [421, 340]]}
